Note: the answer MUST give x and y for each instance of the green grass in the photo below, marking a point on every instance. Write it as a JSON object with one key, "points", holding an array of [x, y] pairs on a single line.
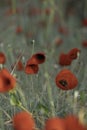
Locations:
{"points": [[39, 93]]}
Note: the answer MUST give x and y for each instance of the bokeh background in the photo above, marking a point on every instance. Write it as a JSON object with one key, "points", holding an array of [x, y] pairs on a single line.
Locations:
{"points": [[55, 26]]}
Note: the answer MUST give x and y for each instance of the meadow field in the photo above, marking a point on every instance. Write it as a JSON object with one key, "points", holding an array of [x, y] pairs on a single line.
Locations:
{"points": [[43, 63]]}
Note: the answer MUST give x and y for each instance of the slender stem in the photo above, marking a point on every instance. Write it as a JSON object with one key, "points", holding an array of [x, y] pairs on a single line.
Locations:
{"points": [[6, 113], [33, 42], [16, 63], [23, 108], [49, 91]]}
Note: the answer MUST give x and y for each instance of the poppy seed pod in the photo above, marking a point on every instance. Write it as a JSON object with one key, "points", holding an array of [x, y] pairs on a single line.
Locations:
{"points": [[64, 60], [73, 123], [2, 58], [55, 124], [73, 53], [66, 80], [31, 67], [7, 81], [38, 58], [23, 121]]}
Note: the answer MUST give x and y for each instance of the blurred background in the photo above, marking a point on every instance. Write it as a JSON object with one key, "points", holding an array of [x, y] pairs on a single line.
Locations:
{"points": [[55, 26]]}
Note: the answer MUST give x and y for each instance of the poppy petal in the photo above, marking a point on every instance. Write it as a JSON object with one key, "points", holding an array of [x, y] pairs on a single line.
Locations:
{"points": [[23, 121], [7, 81], [39, 58], [66, 80]]}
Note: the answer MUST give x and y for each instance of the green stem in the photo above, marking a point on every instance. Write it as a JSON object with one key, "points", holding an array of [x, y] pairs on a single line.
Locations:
{"points": [[23, 108], [33, 42], [49, 91]]}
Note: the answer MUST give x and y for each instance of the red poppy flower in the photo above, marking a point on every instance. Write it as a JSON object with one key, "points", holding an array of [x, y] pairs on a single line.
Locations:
{"points": [[73, 123], [66, 80], [55, 124], [7, 81], [2, 58], [19, 30], [64, 60], [38, 58], [84, 43], [23, 121], [73, 53], [84, 22], [31, 67]]}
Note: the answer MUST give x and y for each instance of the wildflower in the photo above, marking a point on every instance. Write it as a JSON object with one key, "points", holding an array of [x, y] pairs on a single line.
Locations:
{"points": [[7, 81], [32, 64], [31, 67], [38, 58], [73, 53], [64, 60], [73, 123], [23, 121], [66, 80], [55, 124], [19, 30], [2, 58]]}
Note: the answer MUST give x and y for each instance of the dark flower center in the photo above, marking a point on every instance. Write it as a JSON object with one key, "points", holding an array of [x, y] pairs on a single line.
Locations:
{"points": [[40, 57], [33, 66], [63, 83], [7, 81], [73, 55]]}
